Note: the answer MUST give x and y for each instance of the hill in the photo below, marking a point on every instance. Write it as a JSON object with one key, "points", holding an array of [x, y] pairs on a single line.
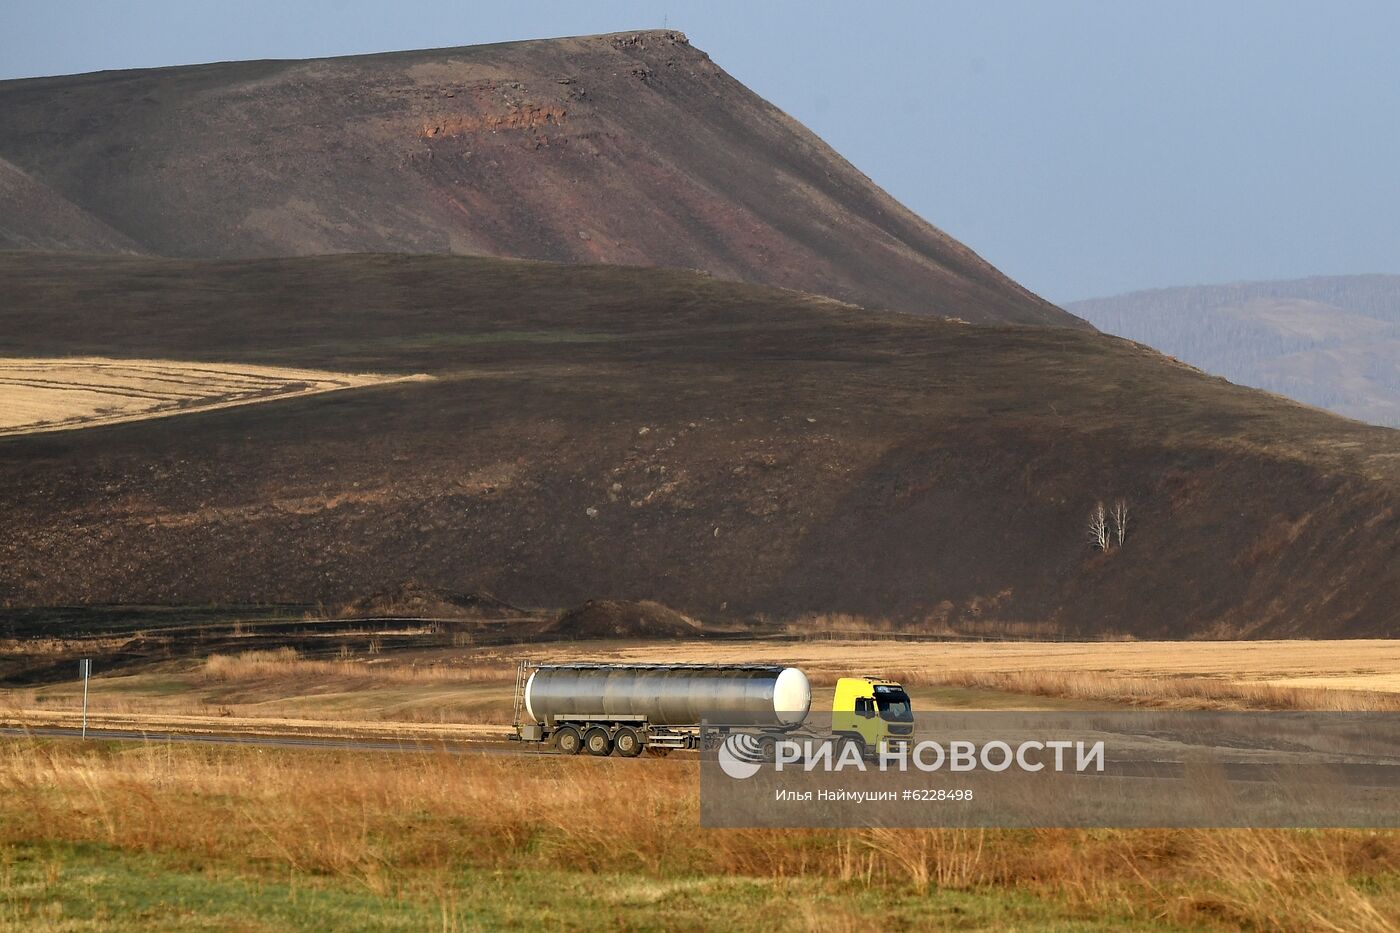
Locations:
{"points": [[632, 149], [602, 432], [36, 217], [1330, 342]]}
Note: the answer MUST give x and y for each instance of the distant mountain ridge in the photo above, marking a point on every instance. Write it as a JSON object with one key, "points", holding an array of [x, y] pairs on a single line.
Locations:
{"points": [[1332, 342], [628, 149]]}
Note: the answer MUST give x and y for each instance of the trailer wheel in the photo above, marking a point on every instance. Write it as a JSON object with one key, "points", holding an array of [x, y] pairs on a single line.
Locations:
{"points": [[567, 741], [627, 743], [598, 742]]}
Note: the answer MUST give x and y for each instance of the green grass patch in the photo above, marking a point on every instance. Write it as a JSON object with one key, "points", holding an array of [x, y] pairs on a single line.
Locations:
{"points": [[92, 887]]}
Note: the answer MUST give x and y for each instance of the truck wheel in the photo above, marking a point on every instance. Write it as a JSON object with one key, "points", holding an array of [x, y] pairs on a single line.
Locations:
{"points": [[567, 741], [627, 743], [854, 740], [597, 741]]}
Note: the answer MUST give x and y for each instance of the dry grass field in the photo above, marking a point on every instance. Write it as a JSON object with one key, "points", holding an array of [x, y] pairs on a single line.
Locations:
{"points": [[465, 693], [55, 394], [1344, 674], [139, 835], [1351, 663], [169, 837]]}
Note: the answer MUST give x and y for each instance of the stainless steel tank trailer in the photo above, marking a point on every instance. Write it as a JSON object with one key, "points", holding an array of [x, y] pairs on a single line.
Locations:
{"points": [[624, 709]]}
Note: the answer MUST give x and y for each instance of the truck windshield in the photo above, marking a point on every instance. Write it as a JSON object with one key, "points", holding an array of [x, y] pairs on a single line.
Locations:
{"points": [[894, 704]]}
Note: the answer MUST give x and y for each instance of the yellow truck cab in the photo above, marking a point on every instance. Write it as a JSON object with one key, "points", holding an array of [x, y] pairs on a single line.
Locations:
{"points": [[872, 711]]}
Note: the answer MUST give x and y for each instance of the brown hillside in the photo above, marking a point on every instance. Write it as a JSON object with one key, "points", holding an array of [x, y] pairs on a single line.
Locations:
{"points": [[36, 217], [631, 149], [604, 432]]}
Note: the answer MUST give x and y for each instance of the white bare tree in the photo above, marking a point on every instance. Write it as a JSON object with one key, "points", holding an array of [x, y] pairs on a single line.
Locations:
{"points": [[1098, 527], [1119, 517]]}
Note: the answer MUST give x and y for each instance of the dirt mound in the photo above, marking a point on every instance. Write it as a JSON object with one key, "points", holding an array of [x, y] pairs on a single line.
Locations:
{"points": [[417, 600], [611, 618]]}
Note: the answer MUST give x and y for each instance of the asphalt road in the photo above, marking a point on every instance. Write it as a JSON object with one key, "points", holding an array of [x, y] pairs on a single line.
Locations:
{"points": [[277, 741]]}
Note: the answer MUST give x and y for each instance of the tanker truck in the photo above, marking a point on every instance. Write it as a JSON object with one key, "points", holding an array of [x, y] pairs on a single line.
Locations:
{"points": [[625, 709]]}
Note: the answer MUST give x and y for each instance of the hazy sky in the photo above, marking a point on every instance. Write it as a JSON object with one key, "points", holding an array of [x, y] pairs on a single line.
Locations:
{"points": [[1084, 148]]}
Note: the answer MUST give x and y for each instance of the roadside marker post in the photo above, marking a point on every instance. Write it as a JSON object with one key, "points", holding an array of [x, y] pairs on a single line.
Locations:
{"points": [[85, 672]]}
